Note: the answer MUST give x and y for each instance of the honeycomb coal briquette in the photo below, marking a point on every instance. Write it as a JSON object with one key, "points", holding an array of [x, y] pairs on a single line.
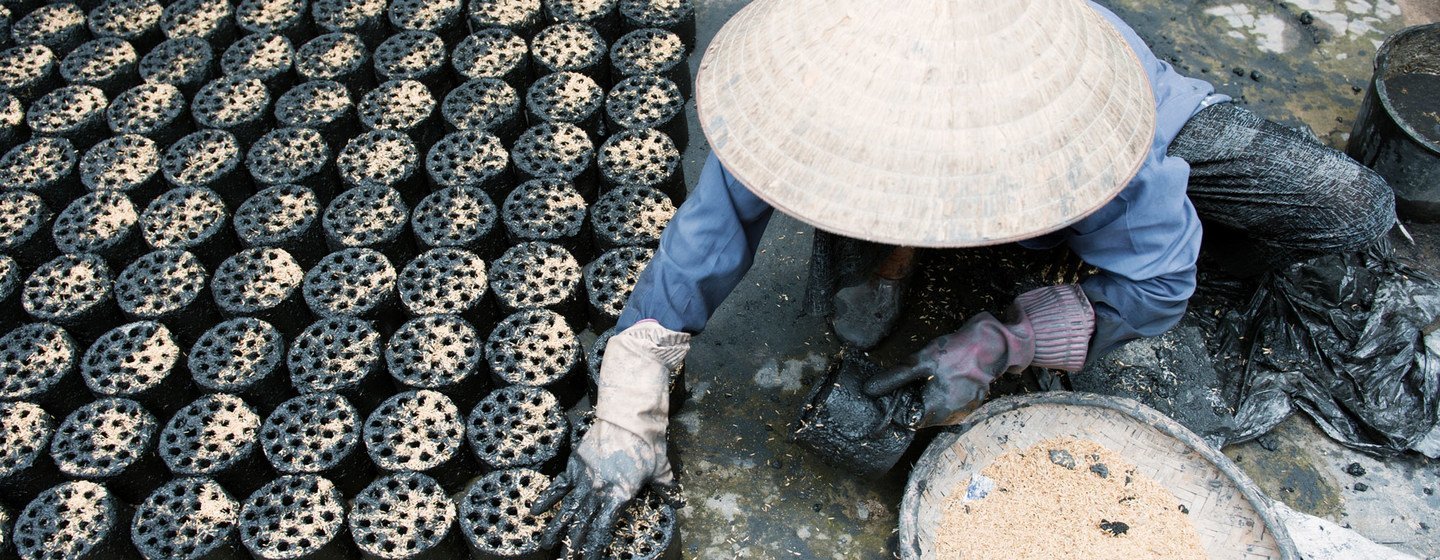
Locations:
{"points": [[23, 218], [269, 58], [79, 519], [186, 63], [495, 516], [295, 517], [111, 441], [153, 110], [206, 158], [631, 216], [29, 71], [648, 101], [73, 291], [418, 431], [10, 315], [323, 105], [460, 217], [537, 274], [186, 519], [235, 104], [645, 530], [401, 105], [444, 18], [318, 433], [25, 431], [642, 157], [282, 17], [12, 121], [368, 217], [440, 352], [59, 26], [550, 210], [166, 286], [283, 216], [610, 279], [379, 158], [571, 47], [339, 57], [351, 282], [520, 16], [212, 21], [138, 361], [518, 426], [44, 166], [103, 223], [404, 516], [107, 63], [602, 15], [494, 53], [38, 364], [470, 158], [340, 355], [127, 163], [261, 282], [560, 150], [76, 113], [652, 51], [242, 356], [363, 18], [537, 348], [484, 104], [445, 281], [675, 16], [216, 436], [412, 55], [134, 21], [190, 218], [291, 155], [566, 97]]}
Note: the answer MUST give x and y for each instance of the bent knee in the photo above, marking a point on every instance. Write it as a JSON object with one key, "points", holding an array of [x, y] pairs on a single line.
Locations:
{"points": [[1361, 206]]}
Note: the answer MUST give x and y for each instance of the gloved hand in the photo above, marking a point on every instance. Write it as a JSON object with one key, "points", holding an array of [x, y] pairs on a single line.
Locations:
{"points": [[625, 449], [1049, 327]]}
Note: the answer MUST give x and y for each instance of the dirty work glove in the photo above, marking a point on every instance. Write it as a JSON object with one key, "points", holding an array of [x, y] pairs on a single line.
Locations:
{"points": [[625, 449], [1049, 327]]}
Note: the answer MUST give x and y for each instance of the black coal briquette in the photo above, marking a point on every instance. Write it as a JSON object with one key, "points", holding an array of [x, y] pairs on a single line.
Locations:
{"points": [[78, 519], [537, 274], [648, 101], [351, 282], [283, 216], [29, 71], [368, 217], [212, 21], [166, 286], [292, 155], [404, 516], [602, 15], [495, 515], [45, 166], [631, 216], [610, 279], [139, 361], [340, 355], [155, 111], [60, 26], [38, 364], [571, 47], [363, 18], [550, 210], [645, 531], [261, 282], [317, 433], [128, 164], [10, 314], [469, 158], [403, 106], [676, 16], [323, 105], [190, 218], [110, 441], [520, 16], [642, 157], [102, 222], [12, 121], [134, 21], [419, 431], [339, 57], [186, 519], [537, 348], [484, 104], [269, 58], [446, 280], [240, 106], [440, 352], [76, 113], [243, 356], [518, 427], [216, 436], [566, 97], [107, 63], [23, 218], [379, 158], [185, 62], [494, 53], [412, 55], [444, 18], [283, 17], [25, 431], [563, 151], [295, 517], [207, 158], [73, 291], [652, 51], [462, 217]]}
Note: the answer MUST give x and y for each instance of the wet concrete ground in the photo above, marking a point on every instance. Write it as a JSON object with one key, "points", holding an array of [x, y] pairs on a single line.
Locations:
{"points": [[751, 494]]}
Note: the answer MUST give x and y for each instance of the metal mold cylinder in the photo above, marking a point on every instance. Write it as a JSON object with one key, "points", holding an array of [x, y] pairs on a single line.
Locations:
{"points": [[631, 216], [405, 516], [290, 18], [283, 216], [216, 436], [571, 47], [537, 348], [267, 57], [549, 210], [495, 516], [59, 26], [107, 63], [193, 219], [370, 218], [439, 352], [420, 431], [318, 433], [292, 155], [128, 164], [264, 283], [133, 21], [210, 159], [295, 517], [339, 57], [537, 274], [155, 111], [563, 151], [23, 219], [459, 217], [79, 519], [25, 432], [648, 101], [139, 361], [352, 282], [519, 16], [29, 71], [38, 364], [185, 62], [484, 104], [567, 97], [362, 18], [102, 222], [446, 281], [443, 18], [340, 355], [321, 105], [470, 158], [413, 55], [404, 106], [610, 279], [167, 286], [212, 21], [240, 106], [111, 441], [379, 158], [187, 518], [494, 53], [75, 113], [72, 291], [243, 357], [519, 426], [656, 52], [642, 157], [675, 16], [44, 166]]}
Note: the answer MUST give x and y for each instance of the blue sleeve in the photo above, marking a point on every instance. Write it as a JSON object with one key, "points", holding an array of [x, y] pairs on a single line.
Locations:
{"points": [[706, 249]]}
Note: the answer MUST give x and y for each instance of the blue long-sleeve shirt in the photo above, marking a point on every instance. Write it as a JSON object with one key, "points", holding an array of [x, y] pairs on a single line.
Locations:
{"points": [[1144, 242]]}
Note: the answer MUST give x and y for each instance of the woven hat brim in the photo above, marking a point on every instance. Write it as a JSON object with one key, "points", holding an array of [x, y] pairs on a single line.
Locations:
{"points": [[883, 121]]}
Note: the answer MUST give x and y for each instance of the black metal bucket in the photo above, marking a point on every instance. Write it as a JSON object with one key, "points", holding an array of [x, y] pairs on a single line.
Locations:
{"points": [[1406, 152]]}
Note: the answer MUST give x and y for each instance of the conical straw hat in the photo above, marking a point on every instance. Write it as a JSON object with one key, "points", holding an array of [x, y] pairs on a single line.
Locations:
{"points": [[930, 123]]}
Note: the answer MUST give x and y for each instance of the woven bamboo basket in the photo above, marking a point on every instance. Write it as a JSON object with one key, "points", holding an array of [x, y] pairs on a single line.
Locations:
{"points": [[1233, 519]]}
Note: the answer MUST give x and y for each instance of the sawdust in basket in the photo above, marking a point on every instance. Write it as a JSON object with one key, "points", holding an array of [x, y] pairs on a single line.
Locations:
{"points": [[1065, 498]]}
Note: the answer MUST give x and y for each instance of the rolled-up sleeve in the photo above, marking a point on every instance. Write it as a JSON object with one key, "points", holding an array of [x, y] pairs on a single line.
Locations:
{"points": [[707, 248]]}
